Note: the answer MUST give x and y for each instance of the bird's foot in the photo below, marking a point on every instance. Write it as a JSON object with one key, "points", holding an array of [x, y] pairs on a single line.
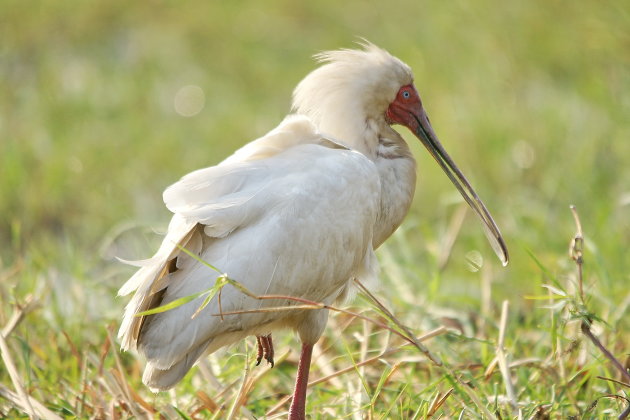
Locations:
{"points": [[265, 349]]}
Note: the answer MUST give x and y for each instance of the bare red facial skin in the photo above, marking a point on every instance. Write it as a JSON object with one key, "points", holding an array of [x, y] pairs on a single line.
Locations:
{"points": [[406, 109]]}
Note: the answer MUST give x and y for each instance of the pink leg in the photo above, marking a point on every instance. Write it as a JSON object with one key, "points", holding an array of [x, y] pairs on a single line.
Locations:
{"points": [[297, 410]]}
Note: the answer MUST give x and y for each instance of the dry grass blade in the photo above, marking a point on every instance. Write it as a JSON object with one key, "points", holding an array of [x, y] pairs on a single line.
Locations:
{"points": [[137, 398], [40, 411], [23, 401], [501, 356], [80, 401], [474, 397], [238, 406], [29, 305], [207, 402], [119, 376], [438, 401], [239, 398], [358, 396], [491, 366]]}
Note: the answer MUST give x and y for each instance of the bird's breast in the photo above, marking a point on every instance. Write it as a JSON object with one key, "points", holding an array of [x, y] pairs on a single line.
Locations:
{"points": [[397, 171]]}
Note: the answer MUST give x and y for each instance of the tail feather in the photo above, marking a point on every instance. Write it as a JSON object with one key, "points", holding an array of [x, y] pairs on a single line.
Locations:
{"points": [[152, 278], [162, 379]]}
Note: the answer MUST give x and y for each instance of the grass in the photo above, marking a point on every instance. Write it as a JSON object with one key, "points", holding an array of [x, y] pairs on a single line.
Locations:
{"points": [[530, 98]]}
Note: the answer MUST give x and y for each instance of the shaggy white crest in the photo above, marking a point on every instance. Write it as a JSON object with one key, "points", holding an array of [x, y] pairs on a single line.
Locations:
{"points": [[347, 97]]}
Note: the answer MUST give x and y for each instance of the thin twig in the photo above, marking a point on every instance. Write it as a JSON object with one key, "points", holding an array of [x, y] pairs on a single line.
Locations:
{"points": [[311, 305], [614, 380], [586, 329]]}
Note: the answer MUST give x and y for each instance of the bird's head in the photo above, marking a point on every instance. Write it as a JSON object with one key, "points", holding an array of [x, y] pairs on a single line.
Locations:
{"points": [[355, 94], [349, 95]]}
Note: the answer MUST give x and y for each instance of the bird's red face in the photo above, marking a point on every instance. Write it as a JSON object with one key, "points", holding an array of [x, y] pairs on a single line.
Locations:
{"points": [[407, 110], [405, 107]]}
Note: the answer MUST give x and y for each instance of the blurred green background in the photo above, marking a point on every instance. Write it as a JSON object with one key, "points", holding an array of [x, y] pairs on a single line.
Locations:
{"points": [[532, 100]]}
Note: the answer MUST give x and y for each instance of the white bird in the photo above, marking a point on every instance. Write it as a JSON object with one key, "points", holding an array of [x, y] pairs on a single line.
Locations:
{"points": [[297, 212]]}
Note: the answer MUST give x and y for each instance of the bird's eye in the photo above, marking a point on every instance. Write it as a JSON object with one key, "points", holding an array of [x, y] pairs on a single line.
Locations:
{"points": [[406, 94]]}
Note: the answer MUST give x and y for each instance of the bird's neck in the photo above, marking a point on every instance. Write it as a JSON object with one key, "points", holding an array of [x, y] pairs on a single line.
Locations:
{"points": [[396, 166], [351, 130], [397, 169]]}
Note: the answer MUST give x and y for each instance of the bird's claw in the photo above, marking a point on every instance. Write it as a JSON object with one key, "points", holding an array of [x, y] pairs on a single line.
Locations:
{"points": [[265, 349]]}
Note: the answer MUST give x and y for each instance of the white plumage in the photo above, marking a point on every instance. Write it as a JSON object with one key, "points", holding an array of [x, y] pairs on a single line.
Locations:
{"points": [[297, 212], [260, 220]]}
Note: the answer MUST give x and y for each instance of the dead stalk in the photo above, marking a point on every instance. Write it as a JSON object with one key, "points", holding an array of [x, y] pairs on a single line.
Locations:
{"points": [[576, 250], [576, 253]]}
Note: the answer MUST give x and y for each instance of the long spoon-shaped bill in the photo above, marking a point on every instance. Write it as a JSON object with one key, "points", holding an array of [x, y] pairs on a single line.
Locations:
{"points": [[427, 136]]}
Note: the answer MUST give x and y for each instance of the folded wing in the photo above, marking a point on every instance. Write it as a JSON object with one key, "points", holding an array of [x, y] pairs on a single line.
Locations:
{"points": [[291, 213]]}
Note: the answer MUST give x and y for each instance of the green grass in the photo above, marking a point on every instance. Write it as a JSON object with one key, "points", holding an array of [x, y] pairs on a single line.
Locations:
{"points": [[531, 99]]}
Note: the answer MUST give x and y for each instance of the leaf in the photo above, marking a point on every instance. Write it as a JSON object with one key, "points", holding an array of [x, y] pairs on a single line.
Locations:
{"points": [[221, 281], [555, 290], [172, 305], [556, 306], [198, 258], [542, 297], [181, 413], [218, 285], [241, 287]]}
